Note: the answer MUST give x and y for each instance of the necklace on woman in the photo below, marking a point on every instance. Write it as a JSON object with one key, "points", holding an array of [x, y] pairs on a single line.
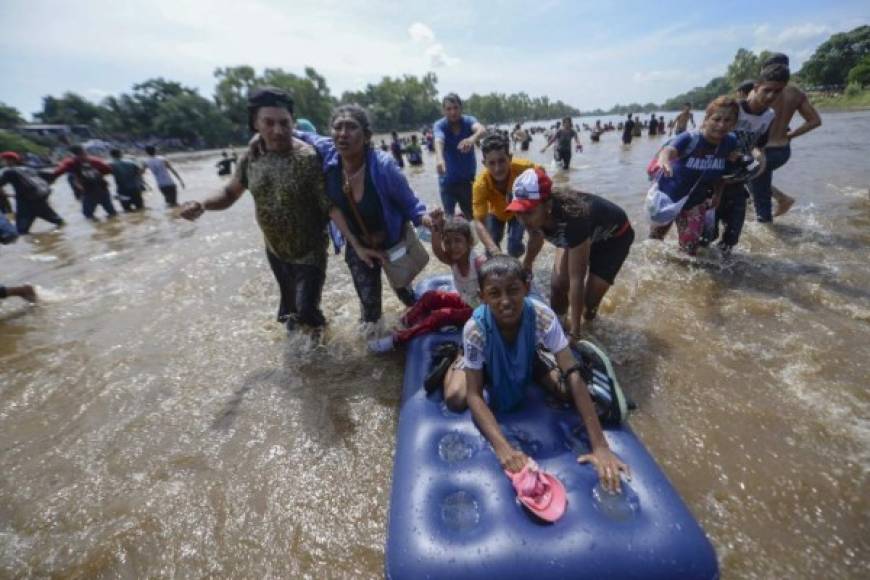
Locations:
{"points": [[351, 180]]}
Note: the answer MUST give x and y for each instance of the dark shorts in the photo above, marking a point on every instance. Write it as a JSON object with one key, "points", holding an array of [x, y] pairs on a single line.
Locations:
{"points": [[301, 287], [606, 257], [170, 194], [453, 194], [563, 156], [761, 186]]}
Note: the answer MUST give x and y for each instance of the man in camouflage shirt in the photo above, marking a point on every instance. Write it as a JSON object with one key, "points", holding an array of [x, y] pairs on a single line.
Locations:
{"points": [[292, 208]]}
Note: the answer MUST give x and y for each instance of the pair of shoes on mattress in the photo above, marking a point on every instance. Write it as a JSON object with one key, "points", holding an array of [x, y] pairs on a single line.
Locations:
{"points": [[613, 406], [442, 358]]}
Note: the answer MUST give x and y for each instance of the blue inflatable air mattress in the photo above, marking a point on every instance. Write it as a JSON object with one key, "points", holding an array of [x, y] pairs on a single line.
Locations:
{"points": [[454, 514]]}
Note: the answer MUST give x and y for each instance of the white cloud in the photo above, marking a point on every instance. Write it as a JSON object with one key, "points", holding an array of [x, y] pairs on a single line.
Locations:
{"points": [[435, 52], [354, 42], [439, 58], [421, 33], [801, 33]]}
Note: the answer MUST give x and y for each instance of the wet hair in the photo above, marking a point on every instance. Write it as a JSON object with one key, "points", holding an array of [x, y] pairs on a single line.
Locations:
{"points": [[723, 102], [267, 97], [77, 150], [775, 58], [115, 153], [150, 150], [501, 266], [458, 225], [745, 87], [494, 142], [777, 73], [687, 104], [358, 114], [451, 98], [571, 202]]}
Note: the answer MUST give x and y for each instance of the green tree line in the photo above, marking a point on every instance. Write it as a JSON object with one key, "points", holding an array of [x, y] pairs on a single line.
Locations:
{"points": [[165, 109], [843, 59]]}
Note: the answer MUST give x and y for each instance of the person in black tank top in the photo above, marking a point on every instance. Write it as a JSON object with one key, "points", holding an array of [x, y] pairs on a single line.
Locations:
{"points": [[592, 237]]}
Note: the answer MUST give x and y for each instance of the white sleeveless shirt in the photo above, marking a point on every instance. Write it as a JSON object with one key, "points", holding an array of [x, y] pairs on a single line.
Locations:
{"points": [[468, 286], [157, 165]]}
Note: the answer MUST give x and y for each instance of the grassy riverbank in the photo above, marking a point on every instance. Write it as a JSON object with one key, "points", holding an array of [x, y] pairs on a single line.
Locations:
{"points": [[841, 101], [14, 142]]}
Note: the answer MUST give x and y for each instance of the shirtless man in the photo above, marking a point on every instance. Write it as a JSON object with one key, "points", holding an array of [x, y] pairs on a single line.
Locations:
{"points": [[778, 149], [683, 119]]}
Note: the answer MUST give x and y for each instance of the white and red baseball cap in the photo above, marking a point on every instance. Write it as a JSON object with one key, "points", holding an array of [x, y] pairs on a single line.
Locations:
{"points": [[531, 188]]}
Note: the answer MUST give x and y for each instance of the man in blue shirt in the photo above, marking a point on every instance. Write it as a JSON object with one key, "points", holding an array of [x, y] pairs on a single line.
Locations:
{"points": [[455, 137]]}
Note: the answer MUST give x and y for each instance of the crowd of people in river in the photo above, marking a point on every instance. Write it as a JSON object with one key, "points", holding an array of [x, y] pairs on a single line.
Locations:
{"points": [[312, 191]]}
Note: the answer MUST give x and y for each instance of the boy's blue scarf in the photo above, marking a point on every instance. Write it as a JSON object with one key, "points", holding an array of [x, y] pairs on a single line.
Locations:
{"points": [[508, 366]]}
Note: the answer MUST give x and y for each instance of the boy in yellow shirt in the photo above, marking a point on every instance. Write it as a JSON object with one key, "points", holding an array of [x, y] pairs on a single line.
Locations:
{"points": [[490, 196]]}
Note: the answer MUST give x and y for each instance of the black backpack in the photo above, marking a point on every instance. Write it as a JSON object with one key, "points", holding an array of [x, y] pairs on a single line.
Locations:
{"points": [[90, 178], [37, 186]]}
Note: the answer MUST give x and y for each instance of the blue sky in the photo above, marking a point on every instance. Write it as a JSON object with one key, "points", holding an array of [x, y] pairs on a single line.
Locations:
{"points": [[589, 54]]}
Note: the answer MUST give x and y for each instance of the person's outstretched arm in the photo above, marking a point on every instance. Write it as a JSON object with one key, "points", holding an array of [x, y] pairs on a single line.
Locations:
{"points": [[191, 210], [607, 464], [812, 120], [510, 459], [437, 220], [171, 168], [666, 155], [478, 131], [484, 237], [533, 248], [367, 255], [479, 211], [578, 265], [550, 141]]}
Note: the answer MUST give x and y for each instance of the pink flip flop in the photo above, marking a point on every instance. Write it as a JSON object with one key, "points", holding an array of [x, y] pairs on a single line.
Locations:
{"points": [[542, 493]]}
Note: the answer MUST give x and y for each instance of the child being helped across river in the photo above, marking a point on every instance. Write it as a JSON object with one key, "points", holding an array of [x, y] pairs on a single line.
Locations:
{"points": [[452, 244], [689, 169], [501, 344], [754, 120]]}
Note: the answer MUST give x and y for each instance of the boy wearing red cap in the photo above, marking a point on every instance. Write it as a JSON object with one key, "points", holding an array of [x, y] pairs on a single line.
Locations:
{"points": [[592, 237]]}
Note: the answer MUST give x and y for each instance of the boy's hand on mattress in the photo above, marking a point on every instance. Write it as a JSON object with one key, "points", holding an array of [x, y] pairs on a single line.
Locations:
{"points": [[511, 459], [609, 467]]}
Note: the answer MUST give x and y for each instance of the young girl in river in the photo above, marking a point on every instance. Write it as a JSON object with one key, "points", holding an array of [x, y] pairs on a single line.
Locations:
{"points": [[501, 343], [687, 170], [452, 244], [592, 236]]}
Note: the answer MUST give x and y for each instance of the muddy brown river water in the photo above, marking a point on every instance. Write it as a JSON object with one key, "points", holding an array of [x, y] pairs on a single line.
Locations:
{"points": [[156, 422]]}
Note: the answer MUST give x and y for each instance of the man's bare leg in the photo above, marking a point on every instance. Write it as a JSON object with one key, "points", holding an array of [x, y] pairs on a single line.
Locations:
{"points": [[783, 201]]}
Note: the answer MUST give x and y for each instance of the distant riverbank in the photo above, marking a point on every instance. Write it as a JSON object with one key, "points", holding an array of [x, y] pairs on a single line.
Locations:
{"points": [[841, 101]]}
